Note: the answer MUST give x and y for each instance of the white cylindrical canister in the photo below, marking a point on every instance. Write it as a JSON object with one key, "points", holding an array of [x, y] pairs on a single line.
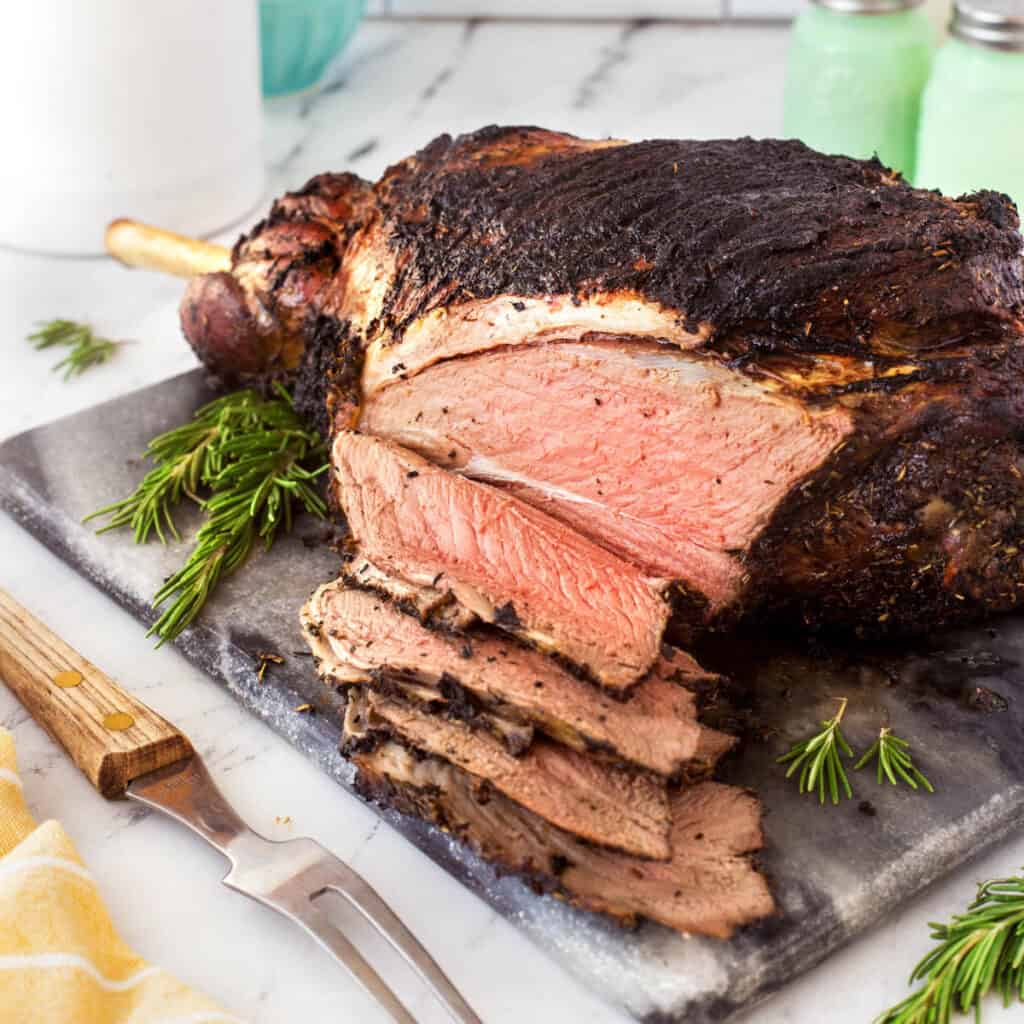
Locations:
{"points": [[148, 109]]}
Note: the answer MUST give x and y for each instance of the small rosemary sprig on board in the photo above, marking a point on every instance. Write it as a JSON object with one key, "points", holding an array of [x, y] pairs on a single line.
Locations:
{"points": [[254, 461], [819, 760], [86, 348], [894, 761], [978, 952]]}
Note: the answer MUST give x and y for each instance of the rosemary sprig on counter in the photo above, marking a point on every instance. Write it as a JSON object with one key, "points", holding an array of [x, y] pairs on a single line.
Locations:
{"points": [[86, 348], [819, 760], [894, 761], [247, 461], [978, 952]]}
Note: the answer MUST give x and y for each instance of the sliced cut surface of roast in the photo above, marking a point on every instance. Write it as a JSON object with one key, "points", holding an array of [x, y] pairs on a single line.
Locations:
{"points": [[510, 563], [709, 886], [510, 321], [355, 632], [600, 803], [670, 459]]}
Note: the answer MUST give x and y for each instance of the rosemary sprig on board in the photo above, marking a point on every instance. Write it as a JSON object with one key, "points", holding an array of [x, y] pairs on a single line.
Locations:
{"points": [[819, 760], [978, 952], [248, 462], [184, 460], [894, 761], [252, 497], [86, 348]]}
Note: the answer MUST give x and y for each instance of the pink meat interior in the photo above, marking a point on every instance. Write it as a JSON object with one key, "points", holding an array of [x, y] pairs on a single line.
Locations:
{"points": [[669, 459], [436, 528]]}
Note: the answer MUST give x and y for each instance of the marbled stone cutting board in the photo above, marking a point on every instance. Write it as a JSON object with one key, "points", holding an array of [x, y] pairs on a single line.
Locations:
{"points": [[959, 699]]}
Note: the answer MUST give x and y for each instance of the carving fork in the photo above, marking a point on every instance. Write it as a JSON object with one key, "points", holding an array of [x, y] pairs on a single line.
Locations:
{"points": [[126, 749]]}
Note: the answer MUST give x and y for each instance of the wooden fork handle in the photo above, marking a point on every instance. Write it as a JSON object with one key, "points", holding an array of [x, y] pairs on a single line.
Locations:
{"points": [[112, 737]]}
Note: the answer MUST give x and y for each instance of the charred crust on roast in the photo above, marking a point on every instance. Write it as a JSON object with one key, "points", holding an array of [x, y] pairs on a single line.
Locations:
{"points": [[323, 256], [867, 516], [452, 689], [452, 702], [351, 746], [505, 617], [332, 362], [461, 705], [779, 235]]}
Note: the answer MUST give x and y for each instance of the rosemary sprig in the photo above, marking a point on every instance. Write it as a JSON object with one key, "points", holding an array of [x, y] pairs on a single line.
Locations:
{"points": [[977, 953], [185, 459], [819, 760], [894, 761], [252, 497], [86, 348], [254, 461]]}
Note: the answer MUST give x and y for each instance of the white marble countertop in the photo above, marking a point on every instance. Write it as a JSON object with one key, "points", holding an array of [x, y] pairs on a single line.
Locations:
{"points": [[400, 84]]}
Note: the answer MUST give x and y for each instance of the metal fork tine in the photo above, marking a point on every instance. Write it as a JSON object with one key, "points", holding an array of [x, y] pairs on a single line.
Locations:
{"points": [[288, 876], [314, 921], [365, 899]]}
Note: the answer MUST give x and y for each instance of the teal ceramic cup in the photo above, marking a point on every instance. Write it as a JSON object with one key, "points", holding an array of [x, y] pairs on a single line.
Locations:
{"points": [[299, 38]]}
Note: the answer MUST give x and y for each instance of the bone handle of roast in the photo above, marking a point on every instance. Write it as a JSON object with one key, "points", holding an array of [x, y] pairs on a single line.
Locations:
{"points": [[140, 245], [112, 737]]}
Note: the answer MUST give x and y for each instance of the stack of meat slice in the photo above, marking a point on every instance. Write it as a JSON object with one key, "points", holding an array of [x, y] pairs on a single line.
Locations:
{"points": [[587, 772], [585, 768]]}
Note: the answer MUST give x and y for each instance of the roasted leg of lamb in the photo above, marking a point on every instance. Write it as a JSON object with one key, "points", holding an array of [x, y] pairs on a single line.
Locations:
{"points": [[578, 391]]}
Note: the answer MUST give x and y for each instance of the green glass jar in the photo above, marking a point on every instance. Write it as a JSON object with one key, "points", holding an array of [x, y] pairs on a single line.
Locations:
{"points": [[856, 72], [972, 118]]}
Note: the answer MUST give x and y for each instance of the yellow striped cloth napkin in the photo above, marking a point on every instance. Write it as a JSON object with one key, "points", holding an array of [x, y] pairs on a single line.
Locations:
{"points": [[61, 962]]}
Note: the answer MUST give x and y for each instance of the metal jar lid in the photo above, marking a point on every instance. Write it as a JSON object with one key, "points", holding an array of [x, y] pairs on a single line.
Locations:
{"points": [[868, 6], [996, 23]]}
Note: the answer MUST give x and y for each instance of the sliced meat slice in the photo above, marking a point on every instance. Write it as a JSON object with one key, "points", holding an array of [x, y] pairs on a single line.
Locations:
{"points": [[710, 886], [428, 603], [600, 803], [352, 631], [510, 563], [671, 459], [515, 736]]}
